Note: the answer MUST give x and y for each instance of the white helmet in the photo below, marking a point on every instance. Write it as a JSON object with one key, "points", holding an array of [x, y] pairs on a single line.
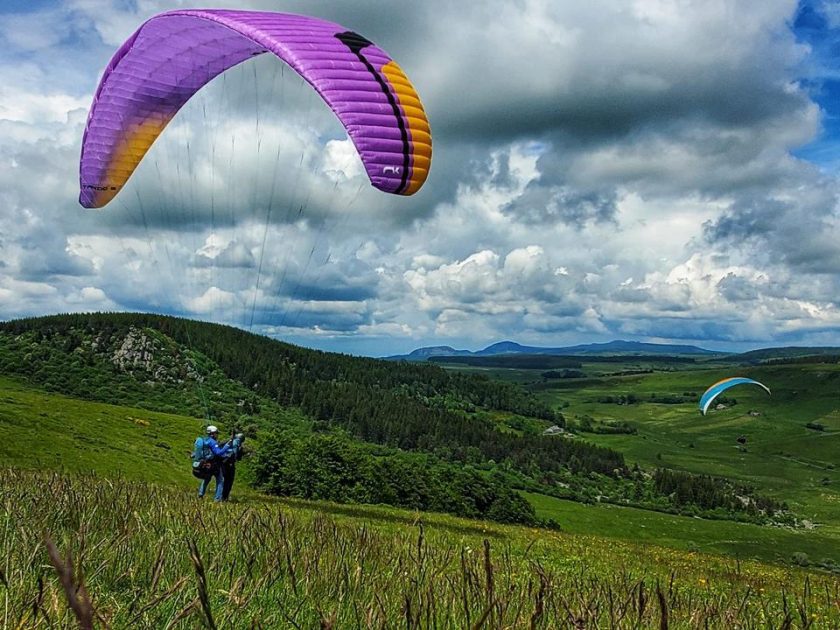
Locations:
{"points": [[212, 429]]}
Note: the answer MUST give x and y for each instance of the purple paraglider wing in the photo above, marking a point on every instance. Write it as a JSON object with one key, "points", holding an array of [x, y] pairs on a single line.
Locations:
{"points": [[174, 54]]}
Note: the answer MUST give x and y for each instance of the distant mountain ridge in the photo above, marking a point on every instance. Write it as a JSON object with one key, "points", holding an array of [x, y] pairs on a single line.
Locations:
{"points": [[421, 354], [616, 346], [764, 354]]}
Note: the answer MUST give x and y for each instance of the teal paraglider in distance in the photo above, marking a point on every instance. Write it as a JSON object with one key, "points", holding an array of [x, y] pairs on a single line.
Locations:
{"points": [[721, 386]]}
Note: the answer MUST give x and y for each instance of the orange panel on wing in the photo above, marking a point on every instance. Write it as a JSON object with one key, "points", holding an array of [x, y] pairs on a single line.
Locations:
{"points": [[127, 155], [418, 125]]}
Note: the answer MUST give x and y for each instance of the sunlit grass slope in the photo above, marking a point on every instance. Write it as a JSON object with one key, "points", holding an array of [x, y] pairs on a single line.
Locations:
{"points": [[152, 556], [40, 430], [782, 456], [49, 431], [644, 527]]}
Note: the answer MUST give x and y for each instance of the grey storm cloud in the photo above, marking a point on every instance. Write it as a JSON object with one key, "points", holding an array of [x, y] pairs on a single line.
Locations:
{"points": [[550, 198], [798, 226], [752, 219], [737, 289], [684, 329], [820, 254], [294, 314], [322, 292], [544, 204], [40, 264], [603, 70]]}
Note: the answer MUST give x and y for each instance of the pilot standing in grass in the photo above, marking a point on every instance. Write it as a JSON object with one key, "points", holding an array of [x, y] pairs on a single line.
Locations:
{"points": [[228, 464], [211, 454]]}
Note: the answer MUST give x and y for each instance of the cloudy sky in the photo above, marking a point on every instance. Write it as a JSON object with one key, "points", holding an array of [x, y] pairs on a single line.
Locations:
{"points": [[640, 169]]}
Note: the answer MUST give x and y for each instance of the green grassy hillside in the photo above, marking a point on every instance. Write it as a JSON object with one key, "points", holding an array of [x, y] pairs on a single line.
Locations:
{"points": [[153, 557], [451, 442], [45, 431], [740, 540], [263, 562], [51, 431], [143, 368], [781, 455]]}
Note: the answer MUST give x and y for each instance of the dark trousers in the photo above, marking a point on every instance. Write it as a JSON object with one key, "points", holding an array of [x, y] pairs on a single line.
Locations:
{"points": [[228, 472]]}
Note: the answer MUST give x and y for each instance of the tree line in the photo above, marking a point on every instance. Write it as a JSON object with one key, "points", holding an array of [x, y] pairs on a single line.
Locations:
{"points": [[709, 493], [332, 467]]}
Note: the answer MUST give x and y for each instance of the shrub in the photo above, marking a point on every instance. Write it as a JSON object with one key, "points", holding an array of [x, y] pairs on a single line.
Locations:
{"points": [[800, 558]]}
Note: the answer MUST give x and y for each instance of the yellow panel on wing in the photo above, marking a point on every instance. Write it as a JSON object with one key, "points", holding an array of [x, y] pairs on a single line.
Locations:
{"points": [[127, 154], [418, 125]]}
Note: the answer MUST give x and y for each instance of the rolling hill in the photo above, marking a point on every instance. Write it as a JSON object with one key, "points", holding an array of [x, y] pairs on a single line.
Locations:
{"points": [[109, 482], [455, 442], [616, 347]]}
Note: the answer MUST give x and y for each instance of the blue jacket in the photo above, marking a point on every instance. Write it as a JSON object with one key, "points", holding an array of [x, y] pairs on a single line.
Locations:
{"points": [[212, 445]]}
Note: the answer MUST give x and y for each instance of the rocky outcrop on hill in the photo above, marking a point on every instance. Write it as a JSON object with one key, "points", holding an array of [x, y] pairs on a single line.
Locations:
{"points": [[135, 352], [142, 353]]}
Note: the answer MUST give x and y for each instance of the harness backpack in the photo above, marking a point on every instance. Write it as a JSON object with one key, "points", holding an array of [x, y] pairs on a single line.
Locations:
{"points": [[203, 462], [236, 451]]}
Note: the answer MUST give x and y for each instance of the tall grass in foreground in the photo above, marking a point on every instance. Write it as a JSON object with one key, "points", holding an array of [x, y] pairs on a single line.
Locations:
{"points": [[135, 556]]}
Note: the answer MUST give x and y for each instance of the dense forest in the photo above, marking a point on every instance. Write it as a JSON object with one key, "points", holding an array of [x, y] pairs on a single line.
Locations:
{"points": [[756, 357], [334, 468], [712, 493], [447, 419], [815, 358]]}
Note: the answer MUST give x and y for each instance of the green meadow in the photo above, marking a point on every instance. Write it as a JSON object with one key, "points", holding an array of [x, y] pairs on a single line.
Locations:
{"points": [[781, 456], [49, 431], [110, 486]]}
